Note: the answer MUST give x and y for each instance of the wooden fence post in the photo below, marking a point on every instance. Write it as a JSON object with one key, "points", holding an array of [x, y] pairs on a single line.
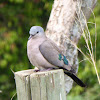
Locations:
{"points": [[48, 85]]}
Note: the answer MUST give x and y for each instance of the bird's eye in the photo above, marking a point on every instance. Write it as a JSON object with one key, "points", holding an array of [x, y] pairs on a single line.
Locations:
{"points": [[37, 31]]}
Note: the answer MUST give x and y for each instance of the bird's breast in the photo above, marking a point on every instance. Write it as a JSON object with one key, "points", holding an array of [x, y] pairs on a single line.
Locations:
{"points": [[35, 56]]}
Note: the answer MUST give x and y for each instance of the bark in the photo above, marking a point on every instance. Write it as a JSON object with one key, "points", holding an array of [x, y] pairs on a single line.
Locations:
{"points": [[63, 24]]}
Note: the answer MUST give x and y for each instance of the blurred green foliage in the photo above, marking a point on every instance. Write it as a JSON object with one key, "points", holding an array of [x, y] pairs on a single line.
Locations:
{"points": [[16, 18]]}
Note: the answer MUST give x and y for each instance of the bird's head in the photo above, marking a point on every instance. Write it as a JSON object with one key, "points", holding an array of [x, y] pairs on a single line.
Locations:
{"points": [[36, 31]]}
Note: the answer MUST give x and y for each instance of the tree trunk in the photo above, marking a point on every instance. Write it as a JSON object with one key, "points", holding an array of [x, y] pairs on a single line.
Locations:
{"points": [[63, 24]]}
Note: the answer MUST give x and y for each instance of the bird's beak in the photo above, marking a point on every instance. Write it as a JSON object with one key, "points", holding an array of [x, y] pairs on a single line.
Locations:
{"points": [[30, 36]]}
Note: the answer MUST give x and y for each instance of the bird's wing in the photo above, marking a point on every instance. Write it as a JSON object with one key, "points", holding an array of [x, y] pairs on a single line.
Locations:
{"points": [[51, 53]]}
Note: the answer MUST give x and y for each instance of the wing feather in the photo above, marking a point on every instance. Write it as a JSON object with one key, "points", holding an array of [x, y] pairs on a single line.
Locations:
{"points": [[51, 52]]}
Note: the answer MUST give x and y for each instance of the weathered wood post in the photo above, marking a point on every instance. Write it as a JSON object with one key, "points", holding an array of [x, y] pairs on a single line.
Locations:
{"points": [[48, 85]]}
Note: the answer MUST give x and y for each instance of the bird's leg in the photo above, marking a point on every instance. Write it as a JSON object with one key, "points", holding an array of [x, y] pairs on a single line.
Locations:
{"points": [[36, 69], [47, 69], [42, 70]]}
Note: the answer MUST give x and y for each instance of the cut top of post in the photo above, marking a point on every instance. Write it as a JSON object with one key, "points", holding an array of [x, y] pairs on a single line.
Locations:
{"points": [[48, 85]]}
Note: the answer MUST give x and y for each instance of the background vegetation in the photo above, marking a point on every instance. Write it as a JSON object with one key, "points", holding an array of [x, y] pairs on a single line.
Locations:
{"points": [[16, 18]]}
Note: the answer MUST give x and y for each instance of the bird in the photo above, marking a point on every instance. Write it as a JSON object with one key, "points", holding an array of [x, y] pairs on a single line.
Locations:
{"points": [[47, 55]]}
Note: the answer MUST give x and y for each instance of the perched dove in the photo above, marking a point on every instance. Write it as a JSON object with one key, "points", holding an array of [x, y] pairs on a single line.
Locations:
{"points": [[45, 54]]}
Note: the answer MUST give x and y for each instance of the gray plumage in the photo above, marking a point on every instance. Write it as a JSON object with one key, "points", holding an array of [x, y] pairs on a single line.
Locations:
{"points": [[44, 53]]}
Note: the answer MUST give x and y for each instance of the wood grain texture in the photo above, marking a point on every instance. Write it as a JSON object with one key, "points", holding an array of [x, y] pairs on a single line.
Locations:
{"points": [[22, 79], [48, 85]]}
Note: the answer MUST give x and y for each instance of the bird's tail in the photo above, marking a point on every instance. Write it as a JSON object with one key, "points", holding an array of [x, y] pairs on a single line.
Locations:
{"points": [[75, 78]]}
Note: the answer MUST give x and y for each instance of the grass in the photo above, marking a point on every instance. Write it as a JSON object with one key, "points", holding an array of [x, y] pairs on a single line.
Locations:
{"points": [[91, 56]]}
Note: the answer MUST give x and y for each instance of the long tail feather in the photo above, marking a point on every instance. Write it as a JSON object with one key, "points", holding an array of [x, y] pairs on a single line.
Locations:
{"points": [[75, 78]]}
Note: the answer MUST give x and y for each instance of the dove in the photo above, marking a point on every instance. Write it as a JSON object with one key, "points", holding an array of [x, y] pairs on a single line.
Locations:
{"points": [[45, 54]]}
